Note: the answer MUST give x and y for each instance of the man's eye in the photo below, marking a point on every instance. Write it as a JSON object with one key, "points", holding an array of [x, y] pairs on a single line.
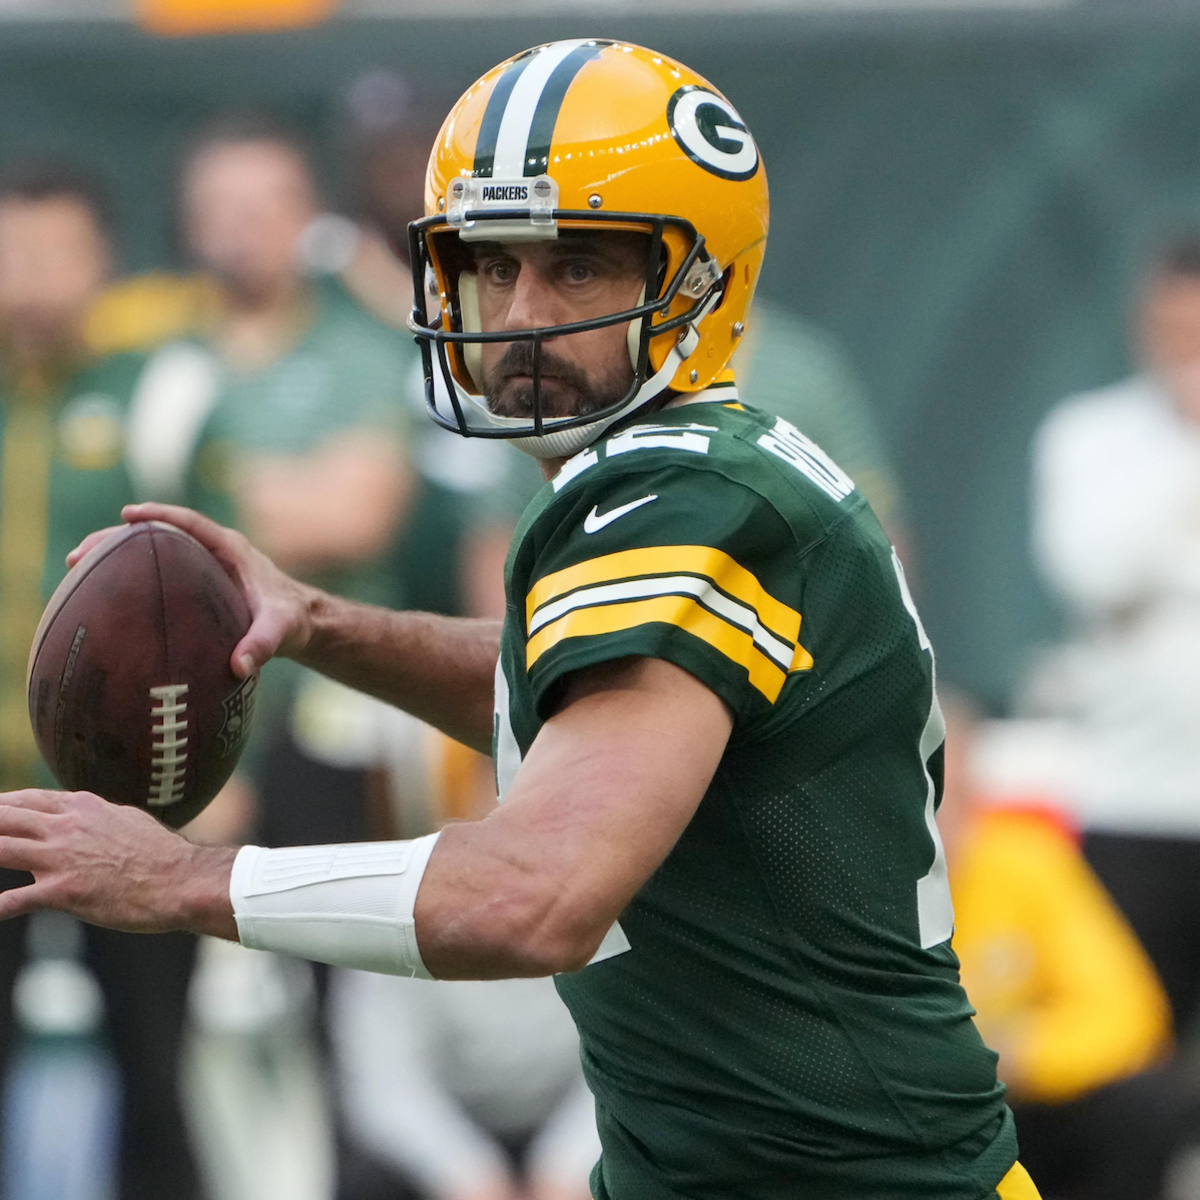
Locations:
{"points": [[500, 272], [579, 272]]}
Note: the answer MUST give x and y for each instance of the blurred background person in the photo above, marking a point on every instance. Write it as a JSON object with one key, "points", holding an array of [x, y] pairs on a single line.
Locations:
{"points": [[62, 442], [285, 419], [1063, 990], [467, 1090], [386, 135], [471, 1090], [1116, 499], [482, 485]]}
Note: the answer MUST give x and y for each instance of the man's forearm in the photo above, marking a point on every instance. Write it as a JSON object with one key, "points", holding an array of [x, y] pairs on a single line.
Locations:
{"points": [[440, 669], [603, 794], [534, 887]]}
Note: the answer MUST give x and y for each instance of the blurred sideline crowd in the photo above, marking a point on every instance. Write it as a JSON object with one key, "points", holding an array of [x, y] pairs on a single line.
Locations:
{"points": [[270, 384]]}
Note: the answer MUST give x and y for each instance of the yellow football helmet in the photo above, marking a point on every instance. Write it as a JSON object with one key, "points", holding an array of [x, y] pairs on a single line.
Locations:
{"points": [[590, 134]]}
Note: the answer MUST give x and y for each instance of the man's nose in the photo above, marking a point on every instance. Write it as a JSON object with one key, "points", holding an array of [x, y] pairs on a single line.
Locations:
{"points": [[534, 301]]}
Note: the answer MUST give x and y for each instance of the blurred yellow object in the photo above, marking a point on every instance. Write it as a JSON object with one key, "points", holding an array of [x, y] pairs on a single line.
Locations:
{"points": [[143, 311], [1063, 989], [1017, 1185], [179, 18], [460, 771]]}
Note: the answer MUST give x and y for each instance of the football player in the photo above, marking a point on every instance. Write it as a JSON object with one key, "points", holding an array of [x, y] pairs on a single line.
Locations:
{"points": [[711, 702]]}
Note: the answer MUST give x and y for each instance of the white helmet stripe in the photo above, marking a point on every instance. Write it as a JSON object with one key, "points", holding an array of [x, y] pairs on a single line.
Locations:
{"points": [[513, 138]]}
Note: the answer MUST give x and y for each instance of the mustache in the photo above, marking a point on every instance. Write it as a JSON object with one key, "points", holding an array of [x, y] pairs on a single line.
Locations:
{"points": [[518, 360]]}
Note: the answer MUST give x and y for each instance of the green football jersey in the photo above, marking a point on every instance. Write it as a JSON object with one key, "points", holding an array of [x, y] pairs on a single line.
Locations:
{"points": [[787, 1019]]}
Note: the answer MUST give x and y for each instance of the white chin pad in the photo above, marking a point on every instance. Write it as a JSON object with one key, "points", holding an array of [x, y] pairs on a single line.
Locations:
{"points": [[468, 306], [633, 337]]}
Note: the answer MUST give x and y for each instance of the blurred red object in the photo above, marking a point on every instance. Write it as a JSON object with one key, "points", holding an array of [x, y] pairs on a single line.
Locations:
{"points": [[179, 18]]}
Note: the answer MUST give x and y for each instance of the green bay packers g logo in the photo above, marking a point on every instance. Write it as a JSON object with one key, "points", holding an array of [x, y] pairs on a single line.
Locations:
{"points": [[710, 132]]}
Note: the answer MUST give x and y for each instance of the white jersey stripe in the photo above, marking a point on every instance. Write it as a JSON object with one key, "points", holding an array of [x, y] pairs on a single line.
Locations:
{"points": [[672, 585], [513, 136]]}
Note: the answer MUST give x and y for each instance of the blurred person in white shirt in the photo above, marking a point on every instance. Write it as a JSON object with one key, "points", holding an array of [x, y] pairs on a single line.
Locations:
{"points": [[465, 1090], [470, 1090], [1117, 537]]}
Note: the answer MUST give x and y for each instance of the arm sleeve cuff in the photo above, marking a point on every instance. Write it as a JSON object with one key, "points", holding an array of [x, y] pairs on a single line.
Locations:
{"points": [[349, 905]]}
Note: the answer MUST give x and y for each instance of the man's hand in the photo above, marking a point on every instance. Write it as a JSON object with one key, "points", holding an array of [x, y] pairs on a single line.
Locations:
{"points": [[279, 605], [111, 865]]}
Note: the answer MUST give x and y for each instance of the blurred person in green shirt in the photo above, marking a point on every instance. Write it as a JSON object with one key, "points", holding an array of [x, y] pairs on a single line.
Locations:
{"points": [[62, 472], [284, 419]]}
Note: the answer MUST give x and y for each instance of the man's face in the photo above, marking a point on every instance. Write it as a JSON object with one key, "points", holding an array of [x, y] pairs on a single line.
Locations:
{"points": [[53, 262], [245, 205], [578, 276], [1170, 338]]}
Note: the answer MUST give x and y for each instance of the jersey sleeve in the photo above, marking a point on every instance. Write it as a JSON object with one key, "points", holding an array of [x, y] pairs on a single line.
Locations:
{"points": [[672, 563]]}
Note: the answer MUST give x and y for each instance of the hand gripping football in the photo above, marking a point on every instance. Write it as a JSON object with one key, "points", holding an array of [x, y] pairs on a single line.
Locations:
{"points": [[131, 694]]}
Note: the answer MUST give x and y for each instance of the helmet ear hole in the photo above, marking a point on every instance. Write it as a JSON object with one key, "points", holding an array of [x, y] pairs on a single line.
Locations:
{"points": [[468, 307], [664, 257], [723, 288]]}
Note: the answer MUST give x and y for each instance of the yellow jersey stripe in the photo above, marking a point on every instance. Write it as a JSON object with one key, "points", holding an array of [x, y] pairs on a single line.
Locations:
{"points": [[682, 611], [715, 565]]}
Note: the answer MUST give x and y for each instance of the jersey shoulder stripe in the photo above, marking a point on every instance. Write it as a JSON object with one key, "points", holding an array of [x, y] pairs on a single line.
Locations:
{"points": [[699, 589], [664, 560], [712, 575]]}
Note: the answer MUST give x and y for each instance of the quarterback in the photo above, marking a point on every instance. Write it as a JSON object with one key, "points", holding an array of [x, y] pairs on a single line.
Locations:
{"points": [[711, 703]]}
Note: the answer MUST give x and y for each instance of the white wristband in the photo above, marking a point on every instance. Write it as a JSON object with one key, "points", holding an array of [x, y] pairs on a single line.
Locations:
{"points": [[350, 905]]}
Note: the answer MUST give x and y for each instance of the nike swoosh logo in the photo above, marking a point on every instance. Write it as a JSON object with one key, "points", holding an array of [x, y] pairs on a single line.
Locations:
{"points": [[593, 523]]}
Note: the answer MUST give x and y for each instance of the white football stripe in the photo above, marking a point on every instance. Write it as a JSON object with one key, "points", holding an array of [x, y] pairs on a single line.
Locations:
{"points": [[639, 589], [512, 139], [167, 767]]}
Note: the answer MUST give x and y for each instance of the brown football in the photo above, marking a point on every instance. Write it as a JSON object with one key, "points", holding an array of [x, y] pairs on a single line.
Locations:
{"points": [[131, 694]]}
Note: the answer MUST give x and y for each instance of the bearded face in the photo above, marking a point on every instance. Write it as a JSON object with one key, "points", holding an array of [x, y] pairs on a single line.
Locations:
{"points": [[577, 277]]}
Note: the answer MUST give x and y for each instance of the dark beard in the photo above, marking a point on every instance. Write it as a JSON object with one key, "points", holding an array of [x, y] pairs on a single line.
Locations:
{"points": [[565, 389]]}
